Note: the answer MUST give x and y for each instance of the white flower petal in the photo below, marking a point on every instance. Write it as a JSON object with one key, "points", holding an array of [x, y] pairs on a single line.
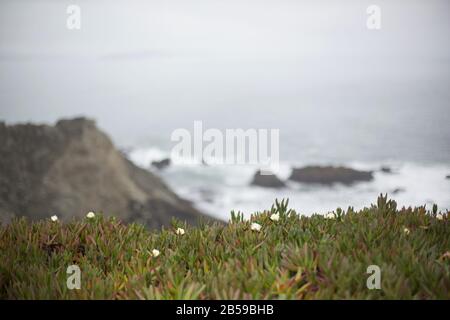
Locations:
{"points": [[330, 215], [155, 253], [255, 227]]}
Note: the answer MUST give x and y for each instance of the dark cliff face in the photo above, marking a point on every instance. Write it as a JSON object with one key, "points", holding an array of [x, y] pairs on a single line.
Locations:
{"points": [[72, 168]]}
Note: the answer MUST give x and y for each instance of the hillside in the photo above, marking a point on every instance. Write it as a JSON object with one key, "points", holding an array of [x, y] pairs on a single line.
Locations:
{"points": [[292, 257], [72, 168]]}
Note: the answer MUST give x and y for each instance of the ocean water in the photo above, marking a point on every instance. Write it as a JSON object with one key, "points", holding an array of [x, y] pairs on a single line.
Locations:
{"points": [[218, 189]]}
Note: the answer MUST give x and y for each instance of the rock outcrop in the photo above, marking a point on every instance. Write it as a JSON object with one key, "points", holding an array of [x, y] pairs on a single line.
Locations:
{"points": [[72, 168], [386, 169], [398, 190], [329, 175], [161, 164], [267, 181]]}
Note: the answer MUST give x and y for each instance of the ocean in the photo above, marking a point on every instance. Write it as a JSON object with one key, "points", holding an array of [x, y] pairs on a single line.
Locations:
{"points": [[219, 189]]}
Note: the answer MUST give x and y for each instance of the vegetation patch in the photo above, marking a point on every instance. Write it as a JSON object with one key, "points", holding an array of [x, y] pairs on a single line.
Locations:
{"points": [[276, 254]]}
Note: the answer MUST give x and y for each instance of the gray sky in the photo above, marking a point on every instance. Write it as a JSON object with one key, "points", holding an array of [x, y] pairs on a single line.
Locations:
{"points": [[143, 68]]}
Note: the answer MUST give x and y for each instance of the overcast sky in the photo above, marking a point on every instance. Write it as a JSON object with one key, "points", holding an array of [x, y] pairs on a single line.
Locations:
{"points": [[136, 65]]}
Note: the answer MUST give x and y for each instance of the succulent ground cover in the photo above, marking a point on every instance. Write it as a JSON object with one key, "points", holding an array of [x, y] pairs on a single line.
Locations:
{"points": [[276, 254]]}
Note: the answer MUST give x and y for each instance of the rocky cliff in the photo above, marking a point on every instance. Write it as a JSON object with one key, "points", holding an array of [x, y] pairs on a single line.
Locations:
{"points": [[72, 168]]}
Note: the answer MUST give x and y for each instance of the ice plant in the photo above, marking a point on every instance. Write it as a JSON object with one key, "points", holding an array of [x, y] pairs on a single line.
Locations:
{"points": [[155, 253], [255, 227], [90, 215], [406, 231], [180, 231], [54, 218], [231, 253], [275, 217]]}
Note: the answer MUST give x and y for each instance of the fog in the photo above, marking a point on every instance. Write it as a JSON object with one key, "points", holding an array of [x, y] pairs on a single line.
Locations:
{"points": [[145, 68]]}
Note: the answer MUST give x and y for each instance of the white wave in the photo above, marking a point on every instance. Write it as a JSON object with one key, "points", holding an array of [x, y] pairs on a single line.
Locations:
{"points": [[218, 189], [144, 157]]}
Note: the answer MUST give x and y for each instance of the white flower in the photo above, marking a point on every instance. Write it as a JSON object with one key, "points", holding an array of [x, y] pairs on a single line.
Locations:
{"points": [[275, 217], [440, 216], [54, 218], [180, 231], [330, 215], [406, 231], [90, 215], [155, 253], [255, 227]]}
